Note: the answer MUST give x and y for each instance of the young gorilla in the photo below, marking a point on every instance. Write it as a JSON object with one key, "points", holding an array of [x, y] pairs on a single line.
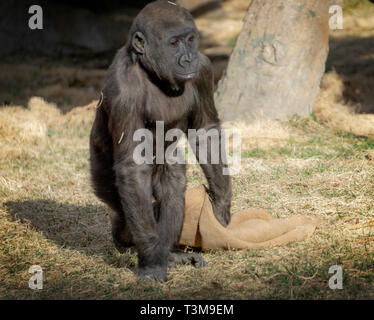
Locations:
{"points": [[159, 75]]}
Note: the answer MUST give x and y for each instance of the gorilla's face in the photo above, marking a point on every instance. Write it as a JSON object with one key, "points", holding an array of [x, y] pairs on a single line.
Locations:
{"points": [[179, 52], [168, 47]]}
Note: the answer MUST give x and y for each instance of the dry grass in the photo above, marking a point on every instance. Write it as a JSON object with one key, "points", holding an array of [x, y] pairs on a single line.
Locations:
{"points": [[331, 109], [262, 133], [49, 217], [22, 129]]}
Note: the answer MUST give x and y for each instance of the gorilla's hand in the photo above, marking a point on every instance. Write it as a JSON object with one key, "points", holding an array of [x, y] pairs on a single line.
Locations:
{"points": [[221, 210]]}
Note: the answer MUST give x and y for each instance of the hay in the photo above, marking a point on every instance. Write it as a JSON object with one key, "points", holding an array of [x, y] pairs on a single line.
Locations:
{"points": [[262, 133], [331, 109], [48, 112], [21, 128], [20, 124], [81, 115]]}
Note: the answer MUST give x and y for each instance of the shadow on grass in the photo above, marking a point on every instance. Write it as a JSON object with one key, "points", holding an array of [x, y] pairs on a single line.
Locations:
{"points": [[353, 59], [83, 228]]}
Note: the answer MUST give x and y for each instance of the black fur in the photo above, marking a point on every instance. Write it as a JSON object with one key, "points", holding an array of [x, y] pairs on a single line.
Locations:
{"points": [[154, 78]]}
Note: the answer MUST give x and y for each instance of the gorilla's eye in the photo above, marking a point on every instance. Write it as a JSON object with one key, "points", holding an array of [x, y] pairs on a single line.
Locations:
{"points": [[192, 38], [175, 43]]}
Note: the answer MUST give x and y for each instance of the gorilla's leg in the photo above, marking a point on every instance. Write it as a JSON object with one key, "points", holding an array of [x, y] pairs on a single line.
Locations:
{"points": [[103, 181], [120, 231], [135, 189], [169, 186]]}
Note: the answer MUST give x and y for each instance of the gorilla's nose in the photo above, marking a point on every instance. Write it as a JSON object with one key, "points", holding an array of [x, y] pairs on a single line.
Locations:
{"points": [[185, 60]]}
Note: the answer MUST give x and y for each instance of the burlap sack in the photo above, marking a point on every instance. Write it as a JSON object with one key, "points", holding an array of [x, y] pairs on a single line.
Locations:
{"points": [[247, 229]]}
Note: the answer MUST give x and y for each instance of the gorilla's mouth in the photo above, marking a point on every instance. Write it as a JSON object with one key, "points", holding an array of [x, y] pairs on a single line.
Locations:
{"points": [[186, 76]]}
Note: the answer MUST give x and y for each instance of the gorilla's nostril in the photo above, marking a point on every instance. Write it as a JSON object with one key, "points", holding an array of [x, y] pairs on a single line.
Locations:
{"points": [[185, 60]]}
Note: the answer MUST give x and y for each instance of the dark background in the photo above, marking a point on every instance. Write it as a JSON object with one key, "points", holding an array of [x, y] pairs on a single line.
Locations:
{"points": [[66, 61], [73, 27]]}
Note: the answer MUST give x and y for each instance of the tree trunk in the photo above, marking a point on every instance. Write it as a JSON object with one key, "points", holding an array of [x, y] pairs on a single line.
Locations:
{"points": [[278, 61]]}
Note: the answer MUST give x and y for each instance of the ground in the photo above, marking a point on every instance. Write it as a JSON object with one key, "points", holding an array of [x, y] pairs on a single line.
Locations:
{"points": [[50, 217]]}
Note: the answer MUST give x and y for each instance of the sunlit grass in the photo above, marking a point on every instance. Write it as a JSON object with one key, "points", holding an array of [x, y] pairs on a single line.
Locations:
{"points": [[49, 217]]}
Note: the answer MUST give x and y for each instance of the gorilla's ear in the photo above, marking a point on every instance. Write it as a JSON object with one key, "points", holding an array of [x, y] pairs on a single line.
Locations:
{"points": [[138, 42]]}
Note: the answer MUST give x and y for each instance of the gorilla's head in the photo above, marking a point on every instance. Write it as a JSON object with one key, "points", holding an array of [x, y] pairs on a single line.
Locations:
{"points": [[164, 39]]}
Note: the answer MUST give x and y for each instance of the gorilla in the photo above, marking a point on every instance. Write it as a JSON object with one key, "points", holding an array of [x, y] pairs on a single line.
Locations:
{"points": [[159, 75]]}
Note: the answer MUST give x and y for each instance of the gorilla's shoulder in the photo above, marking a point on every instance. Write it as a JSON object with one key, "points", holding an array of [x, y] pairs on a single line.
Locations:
{"points": [[121, 64], [122, 78]]}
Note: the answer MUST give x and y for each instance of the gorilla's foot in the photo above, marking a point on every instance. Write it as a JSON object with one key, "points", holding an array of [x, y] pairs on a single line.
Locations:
{"points": [[154, 273], [186, 258]]}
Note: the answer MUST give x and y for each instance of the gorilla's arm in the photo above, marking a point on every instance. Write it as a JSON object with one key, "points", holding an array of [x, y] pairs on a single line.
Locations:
{"points": [[133, 181], [205, 117]]}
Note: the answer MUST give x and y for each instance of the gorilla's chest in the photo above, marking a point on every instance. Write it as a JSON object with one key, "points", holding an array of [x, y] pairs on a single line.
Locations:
{"points": [[170, 109]]}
